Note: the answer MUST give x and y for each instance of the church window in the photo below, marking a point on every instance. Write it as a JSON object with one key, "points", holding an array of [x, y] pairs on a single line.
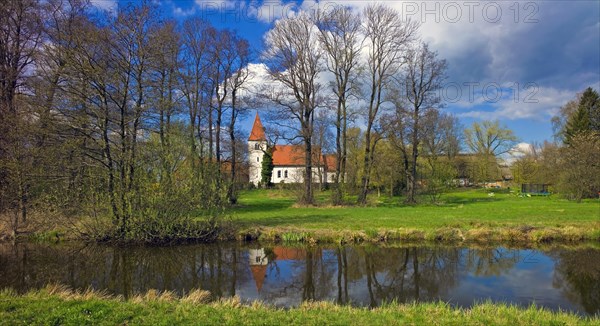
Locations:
{"points": [[258, 159], [256, 146], [279, 173], [285, 174]]}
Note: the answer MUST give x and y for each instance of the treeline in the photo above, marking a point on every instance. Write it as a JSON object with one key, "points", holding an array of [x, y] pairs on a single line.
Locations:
{"points": [[123, 115], [570, 164]]}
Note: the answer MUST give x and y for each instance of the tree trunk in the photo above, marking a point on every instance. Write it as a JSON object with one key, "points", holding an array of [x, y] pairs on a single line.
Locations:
{"points": [[231, 190], [308, 195]]}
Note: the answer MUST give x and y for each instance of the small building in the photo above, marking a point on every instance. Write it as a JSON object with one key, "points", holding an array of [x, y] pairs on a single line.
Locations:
{"points": [[288, 160]]}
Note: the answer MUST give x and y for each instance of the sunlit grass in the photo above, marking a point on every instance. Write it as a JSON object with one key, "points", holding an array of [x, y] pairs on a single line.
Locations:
{"points": [[474, 212], [60, 306]]}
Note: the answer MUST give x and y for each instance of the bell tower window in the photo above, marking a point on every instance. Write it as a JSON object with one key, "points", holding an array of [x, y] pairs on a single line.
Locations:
{"points": [[256, 146]]}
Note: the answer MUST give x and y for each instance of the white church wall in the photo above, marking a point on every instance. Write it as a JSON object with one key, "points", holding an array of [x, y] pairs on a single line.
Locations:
{"points": [[255, 157], [295, 174]]}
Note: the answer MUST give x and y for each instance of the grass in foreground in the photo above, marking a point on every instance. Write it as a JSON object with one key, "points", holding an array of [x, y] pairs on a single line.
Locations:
{"points": [[471, 214], [58, 306]]}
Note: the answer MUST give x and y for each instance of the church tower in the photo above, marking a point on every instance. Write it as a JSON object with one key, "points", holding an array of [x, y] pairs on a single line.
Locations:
{"points": [[257, 143]]}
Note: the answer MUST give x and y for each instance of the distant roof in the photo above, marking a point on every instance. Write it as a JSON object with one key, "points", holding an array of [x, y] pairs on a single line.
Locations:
{"points": [[258, 131], [330, 162]]}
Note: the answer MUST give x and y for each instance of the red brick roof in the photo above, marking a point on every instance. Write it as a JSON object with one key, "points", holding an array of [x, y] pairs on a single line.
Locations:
{"points": [[258, 131]]}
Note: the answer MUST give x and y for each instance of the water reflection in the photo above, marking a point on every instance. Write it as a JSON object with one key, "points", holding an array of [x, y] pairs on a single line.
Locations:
{"points": [[286, 276]]}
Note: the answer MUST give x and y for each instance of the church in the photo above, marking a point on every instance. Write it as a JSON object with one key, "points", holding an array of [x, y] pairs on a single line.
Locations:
{"points": [[288, 160]]}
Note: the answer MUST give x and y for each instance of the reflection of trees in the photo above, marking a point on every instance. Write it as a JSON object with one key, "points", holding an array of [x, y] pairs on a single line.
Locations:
{"points": [[408, 274], [310, 277], [577, 273], [490, 261], [124, 271], [363, 275]]}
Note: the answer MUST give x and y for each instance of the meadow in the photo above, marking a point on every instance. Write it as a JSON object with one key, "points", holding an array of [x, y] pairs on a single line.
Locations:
{"points": [[464, 214]]}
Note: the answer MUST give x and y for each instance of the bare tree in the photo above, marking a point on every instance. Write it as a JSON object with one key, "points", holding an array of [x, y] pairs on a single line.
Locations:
{"points": [[195, 36], [241, 75], [423, 76], [387, 37], [20, 37], [223, 53], [295, 62], [341, 39], [164, 100]]}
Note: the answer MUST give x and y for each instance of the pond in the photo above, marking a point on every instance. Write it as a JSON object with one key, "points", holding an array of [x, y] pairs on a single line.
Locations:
{"points": [[556, 278]]}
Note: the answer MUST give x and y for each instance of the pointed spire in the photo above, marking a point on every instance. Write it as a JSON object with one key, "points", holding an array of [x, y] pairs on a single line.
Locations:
{"points": [[259, 272], [258, 131]]}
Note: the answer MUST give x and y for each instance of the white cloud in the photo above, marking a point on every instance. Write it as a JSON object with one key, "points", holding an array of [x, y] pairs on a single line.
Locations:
{"points": [[537, 103], [108, 5]]}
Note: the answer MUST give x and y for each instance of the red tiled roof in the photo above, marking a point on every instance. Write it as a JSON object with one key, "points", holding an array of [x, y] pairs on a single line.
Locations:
{"points": [[331, 162], [258, 131], [293, 155], [286, 155]]}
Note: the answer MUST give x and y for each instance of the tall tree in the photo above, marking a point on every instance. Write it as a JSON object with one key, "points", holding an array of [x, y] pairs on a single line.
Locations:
{"points": [[21, 33], [341, 39], [237, 81], [195, 36], [164, 98], [422, 78], [294, 62], [387, 37]]}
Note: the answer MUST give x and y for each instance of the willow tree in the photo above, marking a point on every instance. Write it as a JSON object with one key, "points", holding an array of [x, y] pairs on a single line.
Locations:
{"points": [[488, 140]]}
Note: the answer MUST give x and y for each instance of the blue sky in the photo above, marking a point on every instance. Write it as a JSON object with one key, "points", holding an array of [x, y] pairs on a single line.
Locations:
{"points": [[513, 61]]}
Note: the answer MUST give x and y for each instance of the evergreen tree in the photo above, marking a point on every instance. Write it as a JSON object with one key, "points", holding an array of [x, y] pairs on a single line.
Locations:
{"points": [[586, 118], [590, 101], [267, 167]]}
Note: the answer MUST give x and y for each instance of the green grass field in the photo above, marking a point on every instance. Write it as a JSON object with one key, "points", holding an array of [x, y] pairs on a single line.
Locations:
{"points": [[51, 307], [462, 209]]}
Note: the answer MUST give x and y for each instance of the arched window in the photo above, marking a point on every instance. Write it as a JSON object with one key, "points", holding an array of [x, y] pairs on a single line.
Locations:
{"points": [[279, 173], [257, 159], [285, 174], [256, 146]]}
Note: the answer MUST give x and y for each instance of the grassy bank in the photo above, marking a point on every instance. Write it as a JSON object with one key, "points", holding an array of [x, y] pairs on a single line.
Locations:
{"points": [[472, 215], [55, 305], [464, 215]]}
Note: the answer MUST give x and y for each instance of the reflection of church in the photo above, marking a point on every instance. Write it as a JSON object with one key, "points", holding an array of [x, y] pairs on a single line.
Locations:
{"points": [[258, 261]]}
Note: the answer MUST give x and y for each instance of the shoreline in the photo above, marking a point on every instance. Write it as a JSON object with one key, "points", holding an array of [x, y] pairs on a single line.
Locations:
{"points": [[513, 235]]}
